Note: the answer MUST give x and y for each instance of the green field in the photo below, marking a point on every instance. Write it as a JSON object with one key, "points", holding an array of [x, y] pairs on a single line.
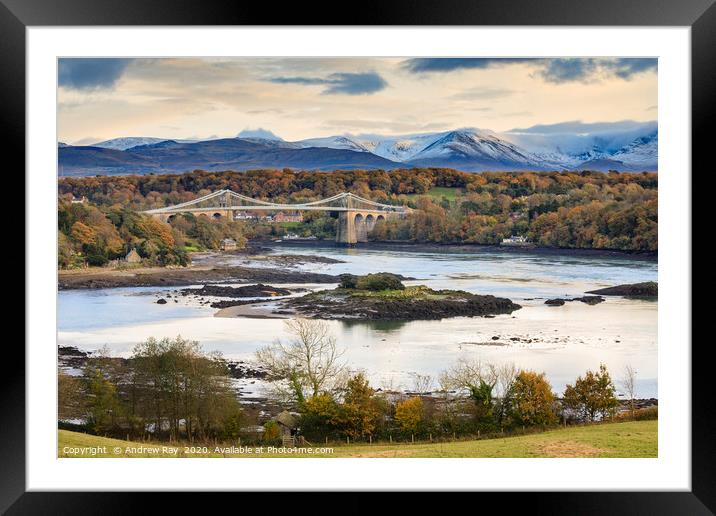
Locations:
{"points": [[438, 192], [630, 439]]}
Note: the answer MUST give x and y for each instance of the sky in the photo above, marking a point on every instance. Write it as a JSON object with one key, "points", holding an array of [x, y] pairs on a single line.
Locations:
{"points": [[299, 98]]}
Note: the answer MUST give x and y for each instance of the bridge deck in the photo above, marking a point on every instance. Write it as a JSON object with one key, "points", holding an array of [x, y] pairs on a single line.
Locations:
{"points": [[228, 200]]}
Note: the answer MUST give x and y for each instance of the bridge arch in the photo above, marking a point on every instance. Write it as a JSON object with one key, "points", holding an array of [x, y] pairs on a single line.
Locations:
{"points": [[217, 215], [370, 222]]}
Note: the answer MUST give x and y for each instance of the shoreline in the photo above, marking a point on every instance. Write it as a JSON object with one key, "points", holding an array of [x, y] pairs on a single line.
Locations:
{"points": [[250, 311], [216, 270], [461, 247], [184, 277]]}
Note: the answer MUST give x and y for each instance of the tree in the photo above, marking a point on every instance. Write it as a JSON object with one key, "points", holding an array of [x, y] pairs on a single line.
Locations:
{"points": [[531, 401], [307, 364], [409, 414], [478, 381], [359, 412], [628, 383], [177, 387], [103, 402], [319, 415], [422, 384], [71, 396], [592, 397]]}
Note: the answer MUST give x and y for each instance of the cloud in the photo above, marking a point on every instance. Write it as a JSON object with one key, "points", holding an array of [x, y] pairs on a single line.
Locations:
{"points": [[626, 67], [584, 70], [90, 74], [554, 70], [567, 70], [579, 127], [340, 83], [449, 64], [480, 93]]}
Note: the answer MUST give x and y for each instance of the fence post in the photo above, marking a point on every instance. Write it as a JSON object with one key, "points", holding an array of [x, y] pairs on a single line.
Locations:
{"points": [[391, 438], [412, 438], [370, 439]]}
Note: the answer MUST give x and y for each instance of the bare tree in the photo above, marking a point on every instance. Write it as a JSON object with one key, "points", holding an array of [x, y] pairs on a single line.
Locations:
{"points": [[422, 383], [466, 374], [306, 364], [628, 383], [506, 374]]}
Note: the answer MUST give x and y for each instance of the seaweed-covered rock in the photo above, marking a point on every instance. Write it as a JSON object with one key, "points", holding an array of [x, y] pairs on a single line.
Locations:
{"points": [[647, 289], [408, 304], [258, 290], [554, 302]]}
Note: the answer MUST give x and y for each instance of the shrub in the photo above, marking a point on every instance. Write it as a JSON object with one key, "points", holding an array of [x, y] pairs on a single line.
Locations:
{"points": [[348, 281], [643, 414], [272, 431], [379, 281]]}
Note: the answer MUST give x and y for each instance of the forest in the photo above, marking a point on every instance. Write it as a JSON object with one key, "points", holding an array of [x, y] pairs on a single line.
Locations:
{"points": [[589, 210]]}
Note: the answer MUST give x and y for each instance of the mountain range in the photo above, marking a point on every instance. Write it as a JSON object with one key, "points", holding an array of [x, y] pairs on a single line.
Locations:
{"points": [[625, 146]]}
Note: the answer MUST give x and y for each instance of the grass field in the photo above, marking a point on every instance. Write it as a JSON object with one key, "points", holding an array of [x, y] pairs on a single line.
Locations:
{"points": [[630, 439], [439, 192]]}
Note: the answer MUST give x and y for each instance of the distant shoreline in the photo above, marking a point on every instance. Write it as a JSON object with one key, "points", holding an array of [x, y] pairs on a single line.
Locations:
{"points": [[403, 245]]}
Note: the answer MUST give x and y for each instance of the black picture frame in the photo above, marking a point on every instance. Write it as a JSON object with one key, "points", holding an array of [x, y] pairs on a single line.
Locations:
{"points": [[700, 15]]}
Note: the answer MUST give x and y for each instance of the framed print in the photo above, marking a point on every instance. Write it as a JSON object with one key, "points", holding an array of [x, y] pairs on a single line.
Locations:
{"points": [[418, 253]]}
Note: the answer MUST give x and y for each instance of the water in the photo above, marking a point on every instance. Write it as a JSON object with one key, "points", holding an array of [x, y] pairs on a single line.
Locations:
{"points": [[566, 340]]}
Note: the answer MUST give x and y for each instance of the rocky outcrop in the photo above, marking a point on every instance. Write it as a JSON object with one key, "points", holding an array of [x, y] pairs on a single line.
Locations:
{"points": [[645, 290]]}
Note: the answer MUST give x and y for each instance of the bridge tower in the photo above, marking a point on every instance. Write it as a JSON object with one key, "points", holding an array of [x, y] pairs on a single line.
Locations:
{"points": [[346, 229]]}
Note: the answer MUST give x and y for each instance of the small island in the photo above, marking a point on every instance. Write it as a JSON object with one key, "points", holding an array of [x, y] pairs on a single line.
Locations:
{"points": [[644, 290], [382, 296]]}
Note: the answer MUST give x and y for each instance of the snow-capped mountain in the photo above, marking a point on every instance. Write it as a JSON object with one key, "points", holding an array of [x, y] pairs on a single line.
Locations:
{"points": [[335, 142], [632, 145], [624, 146], [643, 151], [472, 151], [127, 143]]}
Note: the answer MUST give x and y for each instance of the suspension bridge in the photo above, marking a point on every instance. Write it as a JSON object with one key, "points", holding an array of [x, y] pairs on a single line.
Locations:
{"points": [[356, 216]]}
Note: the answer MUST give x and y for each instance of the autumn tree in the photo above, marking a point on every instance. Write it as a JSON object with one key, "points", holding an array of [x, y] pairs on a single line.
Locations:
{"points": [[409, 415], [592, 397], [531, 401], [360, 410]]}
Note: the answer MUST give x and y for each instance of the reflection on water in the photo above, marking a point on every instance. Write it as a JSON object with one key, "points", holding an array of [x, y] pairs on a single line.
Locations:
{"points": [[562, 341], [376, 326]]}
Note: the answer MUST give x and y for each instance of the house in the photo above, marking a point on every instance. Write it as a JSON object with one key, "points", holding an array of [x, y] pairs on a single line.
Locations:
{"points": [[245, 215], [133, 256], [81, 200], [287, 423], [228, 244], [288, 217]]}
